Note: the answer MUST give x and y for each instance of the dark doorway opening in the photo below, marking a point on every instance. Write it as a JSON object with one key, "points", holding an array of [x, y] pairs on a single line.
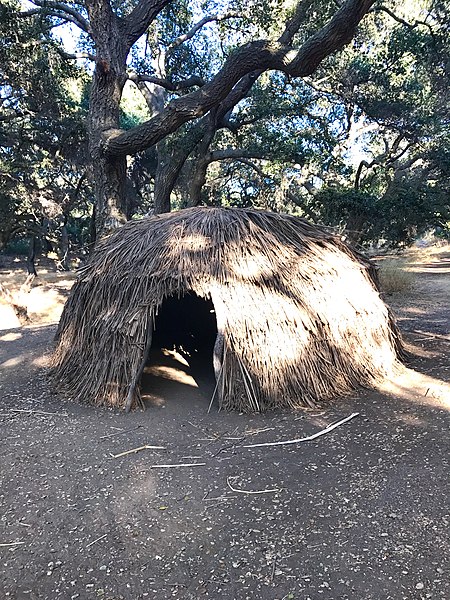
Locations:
{"points": [[180, 363]]}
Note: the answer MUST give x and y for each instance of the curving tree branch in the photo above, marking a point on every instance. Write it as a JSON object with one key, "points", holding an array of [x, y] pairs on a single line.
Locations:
{"points": [[231, 153], [413, 25], [256, 56], [137, 22], [60, 10], [170, 86], [195, 28]]}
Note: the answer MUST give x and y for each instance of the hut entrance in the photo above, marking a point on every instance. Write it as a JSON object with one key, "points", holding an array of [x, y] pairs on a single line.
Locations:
{"points": [[180, 362]]}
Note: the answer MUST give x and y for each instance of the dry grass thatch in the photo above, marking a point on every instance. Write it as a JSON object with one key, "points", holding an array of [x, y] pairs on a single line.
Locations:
{"points": [[300, 312]]}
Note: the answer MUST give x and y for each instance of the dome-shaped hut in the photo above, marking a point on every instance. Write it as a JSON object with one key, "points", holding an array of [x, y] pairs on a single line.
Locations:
{"points": [[299, 317]]}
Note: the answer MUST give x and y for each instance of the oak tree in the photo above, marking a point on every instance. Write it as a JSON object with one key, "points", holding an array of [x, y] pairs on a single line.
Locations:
{"points": [[114, 29]]}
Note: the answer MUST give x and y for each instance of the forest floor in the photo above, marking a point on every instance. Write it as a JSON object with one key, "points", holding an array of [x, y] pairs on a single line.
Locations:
{"points": [[360, 513]]}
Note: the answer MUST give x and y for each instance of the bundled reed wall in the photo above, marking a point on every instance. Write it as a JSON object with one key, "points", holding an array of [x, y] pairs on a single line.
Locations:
{"points": [[300, 312]]}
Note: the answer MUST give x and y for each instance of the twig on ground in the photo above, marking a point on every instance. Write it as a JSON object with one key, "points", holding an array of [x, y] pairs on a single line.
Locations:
{"points": [[173, 466], [438, 336], [97, 540], [308, 438], [217, 498], [267, 491], [274, 566], [256, 431], [214, 434], [12, 544], [119, 432], [191, 457], [134, 450], [310, 415], [228, 447], [33, 412]]}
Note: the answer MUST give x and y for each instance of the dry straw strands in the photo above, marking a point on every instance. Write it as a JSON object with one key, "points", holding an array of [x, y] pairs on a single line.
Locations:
{"points": [[300, 312]]}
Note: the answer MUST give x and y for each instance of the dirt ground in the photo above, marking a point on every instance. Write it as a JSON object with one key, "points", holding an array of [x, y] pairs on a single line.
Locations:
{"points": [[359, 513]]}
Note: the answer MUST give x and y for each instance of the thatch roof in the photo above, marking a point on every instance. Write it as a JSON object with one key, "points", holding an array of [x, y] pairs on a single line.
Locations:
{"points": [[300, 311]]}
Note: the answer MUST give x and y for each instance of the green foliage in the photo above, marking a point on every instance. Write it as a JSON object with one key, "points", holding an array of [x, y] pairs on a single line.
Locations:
{"points": [[42, 137], [384, 100], [363, 145], [396, 218]]}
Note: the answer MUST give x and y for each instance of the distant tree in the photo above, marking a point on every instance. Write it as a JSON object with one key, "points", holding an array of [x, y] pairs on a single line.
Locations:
{"points": [[43, 162], [395, 105]]}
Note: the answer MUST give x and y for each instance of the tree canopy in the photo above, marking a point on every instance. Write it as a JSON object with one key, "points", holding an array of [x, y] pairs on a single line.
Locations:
{"points": [[338, 111]]}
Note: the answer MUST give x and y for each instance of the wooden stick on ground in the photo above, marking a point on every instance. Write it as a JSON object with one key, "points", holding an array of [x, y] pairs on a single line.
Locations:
{"points": [[173, 466], [119, 432], [438, 336], [12, 544], [33, 412], [268, 491], [97, 540], [134, 450], [308, 438]]}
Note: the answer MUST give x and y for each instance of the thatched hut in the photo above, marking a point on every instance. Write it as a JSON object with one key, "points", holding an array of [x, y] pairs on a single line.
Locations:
{"points": [[298, 313]]}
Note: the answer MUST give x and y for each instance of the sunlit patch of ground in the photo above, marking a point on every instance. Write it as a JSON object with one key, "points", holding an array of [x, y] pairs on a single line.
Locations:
{"points": [[45, 300], [417, 387], [399, 273], [10, 337], [429, 254]]}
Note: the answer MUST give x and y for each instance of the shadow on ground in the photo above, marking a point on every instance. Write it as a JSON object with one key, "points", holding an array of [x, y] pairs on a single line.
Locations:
{"points": [[359, 513]]}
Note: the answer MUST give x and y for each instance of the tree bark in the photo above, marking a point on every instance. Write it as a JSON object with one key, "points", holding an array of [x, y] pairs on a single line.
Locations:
{"points": [[258, 55], [165, 179], [109, 172], [31, 267], [197, 182]]}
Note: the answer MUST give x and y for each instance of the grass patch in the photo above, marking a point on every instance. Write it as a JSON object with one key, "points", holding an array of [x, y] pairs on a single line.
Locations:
{"points": [[394, 275]]}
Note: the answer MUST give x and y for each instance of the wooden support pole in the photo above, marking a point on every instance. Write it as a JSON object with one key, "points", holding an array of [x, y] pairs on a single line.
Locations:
{"points": [[138, 374]]}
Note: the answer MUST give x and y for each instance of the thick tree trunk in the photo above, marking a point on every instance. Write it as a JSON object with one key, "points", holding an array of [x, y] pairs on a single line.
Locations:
{"points": [[31, 267], [164, 183], [110, 185], [169, 167], [109, 172], [197, 181], [200, 165]]}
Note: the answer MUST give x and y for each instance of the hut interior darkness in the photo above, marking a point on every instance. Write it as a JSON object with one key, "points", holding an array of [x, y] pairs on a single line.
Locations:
{"points": [[297, 312], [181, 352]]}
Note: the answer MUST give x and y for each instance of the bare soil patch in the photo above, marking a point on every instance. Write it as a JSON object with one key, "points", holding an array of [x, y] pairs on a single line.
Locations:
{"points": [[360, 513]]}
